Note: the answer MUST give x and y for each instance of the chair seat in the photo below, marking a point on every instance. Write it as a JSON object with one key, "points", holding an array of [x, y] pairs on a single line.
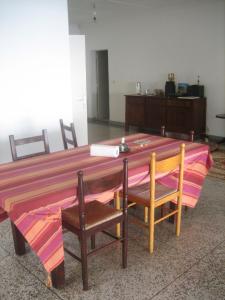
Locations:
{"points": [[141, 193], [96, 214]]}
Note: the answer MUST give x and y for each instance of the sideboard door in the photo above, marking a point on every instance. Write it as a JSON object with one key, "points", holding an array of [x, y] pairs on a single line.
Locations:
{"points": [[155, 112], [179, 115], [135, 111]]}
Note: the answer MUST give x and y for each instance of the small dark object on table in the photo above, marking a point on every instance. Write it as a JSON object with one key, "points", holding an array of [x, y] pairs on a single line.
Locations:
{"points": [[123, 148]]}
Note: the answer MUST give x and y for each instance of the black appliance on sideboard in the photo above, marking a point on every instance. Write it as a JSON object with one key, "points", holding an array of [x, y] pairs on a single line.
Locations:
{"points": [[196, 90], [170, 87]]}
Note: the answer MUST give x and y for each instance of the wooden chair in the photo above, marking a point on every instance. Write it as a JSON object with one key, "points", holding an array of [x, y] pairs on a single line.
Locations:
{"points": [[86, 219], [66, 140], [13, 144], [29, 140], [153, 195], [177, 135]]}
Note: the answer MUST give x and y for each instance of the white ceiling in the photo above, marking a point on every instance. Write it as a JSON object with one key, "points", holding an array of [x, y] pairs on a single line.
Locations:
{"points": [[81, 10]]}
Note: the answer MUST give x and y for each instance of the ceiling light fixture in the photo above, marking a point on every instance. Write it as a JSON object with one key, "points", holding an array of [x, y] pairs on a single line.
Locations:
{"points": [[94, 13]]}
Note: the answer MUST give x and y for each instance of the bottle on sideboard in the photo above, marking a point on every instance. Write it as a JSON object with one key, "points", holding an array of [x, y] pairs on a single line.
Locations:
{"points": [[138, 88]]}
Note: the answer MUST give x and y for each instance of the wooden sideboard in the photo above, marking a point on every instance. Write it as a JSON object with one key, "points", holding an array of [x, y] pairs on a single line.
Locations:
{"points": [[178, 115]]}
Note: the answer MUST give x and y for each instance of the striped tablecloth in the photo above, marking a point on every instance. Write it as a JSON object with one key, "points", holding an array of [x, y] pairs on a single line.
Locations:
{"points": [[33, 191]]}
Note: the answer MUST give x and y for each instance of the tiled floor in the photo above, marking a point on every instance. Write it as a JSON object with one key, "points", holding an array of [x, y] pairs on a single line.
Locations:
{"points": [[99, 132], [189, 267]]}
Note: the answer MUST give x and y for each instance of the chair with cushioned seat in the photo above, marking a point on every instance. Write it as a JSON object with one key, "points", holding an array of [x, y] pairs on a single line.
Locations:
{"points": [[87, 219], [29, 140], [153, 194], [68, 140]]}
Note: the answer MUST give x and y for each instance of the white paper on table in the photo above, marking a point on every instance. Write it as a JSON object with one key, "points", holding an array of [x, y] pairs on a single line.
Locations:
{"points": [[104, 150]]}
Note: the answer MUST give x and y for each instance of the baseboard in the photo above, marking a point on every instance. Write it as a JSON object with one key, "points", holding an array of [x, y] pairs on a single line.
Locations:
{"points": [[106, 122], [116, 124], [96, 121], [214, 138]]}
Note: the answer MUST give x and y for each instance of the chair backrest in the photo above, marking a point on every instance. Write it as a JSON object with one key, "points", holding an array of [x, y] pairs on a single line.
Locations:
{"points": [[164, 166], [177, 135], [66, 140], [29, 140], [101, 185]]}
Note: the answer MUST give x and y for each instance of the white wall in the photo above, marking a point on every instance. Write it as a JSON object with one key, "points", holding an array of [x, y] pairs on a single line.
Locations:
{"points": [[149, 39], [35, 83], [78, 72], [74, 29]]}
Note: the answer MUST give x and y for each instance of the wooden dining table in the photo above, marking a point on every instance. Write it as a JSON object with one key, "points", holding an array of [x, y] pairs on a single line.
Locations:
{"points": [[34, 191]]}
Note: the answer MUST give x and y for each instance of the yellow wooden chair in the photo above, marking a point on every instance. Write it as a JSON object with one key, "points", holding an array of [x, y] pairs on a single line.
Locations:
{"points": [[152, 195]]}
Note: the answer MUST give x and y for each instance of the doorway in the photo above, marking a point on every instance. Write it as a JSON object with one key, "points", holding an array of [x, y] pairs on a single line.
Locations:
{"points": [[102, 85]]}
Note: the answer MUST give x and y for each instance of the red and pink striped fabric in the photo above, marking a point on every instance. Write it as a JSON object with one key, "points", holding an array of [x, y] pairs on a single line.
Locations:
{"points": [[33, 191]]}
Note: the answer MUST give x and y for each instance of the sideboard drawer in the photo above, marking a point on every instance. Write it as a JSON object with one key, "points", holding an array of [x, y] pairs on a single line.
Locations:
{"points": [[136, 100], [135, 111], [179, 103]]}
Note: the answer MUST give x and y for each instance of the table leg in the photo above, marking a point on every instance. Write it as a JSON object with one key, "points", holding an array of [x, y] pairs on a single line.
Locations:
{"points": [[58, 276], [19, 241], [118, 208]]}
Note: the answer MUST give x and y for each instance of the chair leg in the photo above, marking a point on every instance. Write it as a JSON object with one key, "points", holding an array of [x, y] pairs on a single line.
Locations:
{"points": [[83, 247], [118, 208], [162, 207], [125, 242], [146, 214], [178, 223], [172, 218], [93, 241], [151, 228]]}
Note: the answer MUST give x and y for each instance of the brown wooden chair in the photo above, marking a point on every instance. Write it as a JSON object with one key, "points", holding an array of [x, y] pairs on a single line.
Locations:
{"points": [[153, 195], [86, 219], [29, 140], [177, 135], [66, 140], [13, 145]]}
